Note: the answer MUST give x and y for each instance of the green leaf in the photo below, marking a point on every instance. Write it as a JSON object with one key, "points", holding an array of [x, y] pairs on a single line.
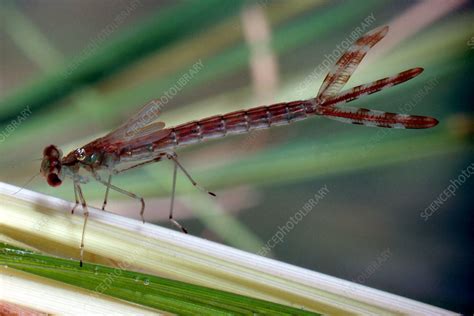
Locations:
{"points": [[147, 290]]}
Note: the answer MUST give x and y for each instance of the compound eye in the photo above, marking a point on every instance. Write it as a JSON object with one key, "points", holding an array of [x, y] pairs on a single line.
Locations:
{"points": [[80, 154], [53, 180], [52, 152]]}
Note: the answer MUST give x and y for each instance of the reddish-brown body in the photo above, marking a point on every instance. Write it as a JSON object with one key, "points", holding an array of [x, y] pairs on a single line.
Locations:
{"points": [[235, 123], [141, 140]]}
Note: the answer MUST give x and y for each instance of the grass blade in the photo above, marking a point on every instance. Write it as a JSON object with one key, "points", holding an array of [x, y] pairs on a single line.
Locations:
{"points": [[147, 290]]}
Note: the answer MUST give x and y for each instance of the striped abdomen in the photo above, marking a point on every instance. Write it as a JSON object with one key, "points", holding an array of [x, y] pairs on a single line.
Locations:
{"points": [[236, 123], [369, 88], [374, 118]]}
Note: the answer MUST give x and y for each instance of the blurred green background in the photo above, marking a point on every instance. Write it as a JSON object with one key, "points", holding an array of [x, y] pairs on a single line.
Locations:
{"points": [[82, 67]]}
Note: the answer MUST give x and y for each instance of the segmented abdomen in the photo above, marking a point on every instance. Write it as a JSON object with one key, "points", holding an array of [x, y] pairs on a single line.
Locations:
{"points": [[236, 123]]}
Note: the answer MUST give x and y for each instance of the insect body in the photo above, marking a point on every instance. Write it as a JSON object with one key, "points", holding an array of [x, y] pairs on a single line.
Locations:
{"points": [[138, 142]]}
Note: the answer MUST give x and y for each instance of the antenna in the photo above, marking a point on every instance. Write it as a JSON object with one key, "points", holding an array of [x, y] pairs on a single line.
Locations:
{"points": [[26, 183], [16, 165]]}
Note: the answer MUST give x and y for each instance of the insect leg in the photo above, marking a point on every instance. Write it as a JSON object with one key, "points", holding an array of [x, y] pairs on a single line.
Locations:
{"points": [[86, 216], [173, 190], [130, 194], [174, 157], [77, 199], [107, 192]]}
